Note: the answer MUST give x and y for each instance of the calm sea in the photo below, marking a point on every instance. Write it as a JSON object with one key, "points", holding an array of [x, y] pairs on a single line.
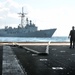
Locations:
{"points": [[27, 39]]}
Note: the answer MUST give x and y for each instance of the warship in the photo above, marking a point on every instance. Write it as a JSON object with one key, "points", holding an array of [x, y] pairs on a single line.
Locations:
{"points": [[27, 30]]}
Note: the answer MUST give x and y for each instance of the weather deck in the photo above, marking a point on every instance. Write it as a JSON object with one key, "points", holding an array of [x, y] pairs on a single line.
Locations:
{"points": [[59, 61], [10, 65]]}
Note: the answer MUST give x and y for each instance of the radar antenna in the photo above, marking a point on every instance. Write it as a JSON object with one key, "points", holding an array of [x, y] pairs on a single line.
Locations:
{"points": [[22, 15]]}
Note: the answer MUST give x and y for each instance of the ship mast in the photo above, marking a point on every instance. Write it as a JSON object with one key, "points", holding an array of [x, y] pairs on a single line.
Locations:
{"points": [[22, 15]]}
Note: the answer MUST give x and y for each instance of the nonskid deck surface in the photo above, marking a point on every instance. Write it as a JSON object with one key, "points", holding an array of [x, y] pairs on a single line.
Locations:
{"points": [[59, 61], [10, 65]]}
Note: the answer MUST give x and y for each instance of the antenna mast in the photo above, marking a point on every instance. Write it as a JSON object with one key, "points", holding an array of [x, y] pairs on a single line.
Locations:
{"points": [[22, 15]]}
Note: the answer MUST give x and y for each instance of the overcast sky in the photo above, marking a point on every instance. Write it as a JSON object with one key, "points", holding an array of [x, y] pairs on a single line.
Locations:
{"points": [[45, 14]]}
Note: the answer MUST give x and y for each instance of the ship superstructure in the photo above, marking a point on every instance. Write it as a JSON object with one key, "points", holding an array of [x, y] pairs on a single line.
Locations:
{"points": [[26, 30]]}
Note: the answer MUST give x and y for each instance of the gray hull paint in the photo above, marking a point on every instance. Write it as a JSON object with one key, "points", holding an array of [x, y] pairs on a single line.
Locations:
{"points": [[40, 33]]}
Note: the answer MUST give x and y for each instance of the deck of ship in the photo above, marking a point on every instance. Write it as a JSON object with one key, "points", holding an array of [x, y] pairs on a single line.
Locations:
{"points": [[59, 61]]}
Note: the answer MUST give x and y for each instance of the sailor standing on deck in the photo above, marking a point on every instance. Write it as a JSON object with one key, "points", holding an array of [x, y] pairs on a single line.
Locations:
{"points": [[72, 37]]}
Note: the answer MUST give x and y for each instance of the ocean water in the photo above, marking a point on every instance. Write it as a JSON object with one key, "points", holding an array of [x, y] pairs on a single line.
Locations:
{"points": [[27, 39]]}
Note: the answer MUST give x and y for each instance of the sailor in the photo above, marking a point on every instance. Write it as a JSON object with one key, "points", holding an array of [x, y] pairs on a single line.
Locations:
{"points": [[72, 37]]}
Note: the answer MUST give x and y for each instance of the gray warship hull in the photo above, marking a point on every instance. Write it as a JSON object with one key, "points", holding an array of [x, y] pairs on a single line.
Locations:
{"points": [[28, 29], [39, 33]]}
